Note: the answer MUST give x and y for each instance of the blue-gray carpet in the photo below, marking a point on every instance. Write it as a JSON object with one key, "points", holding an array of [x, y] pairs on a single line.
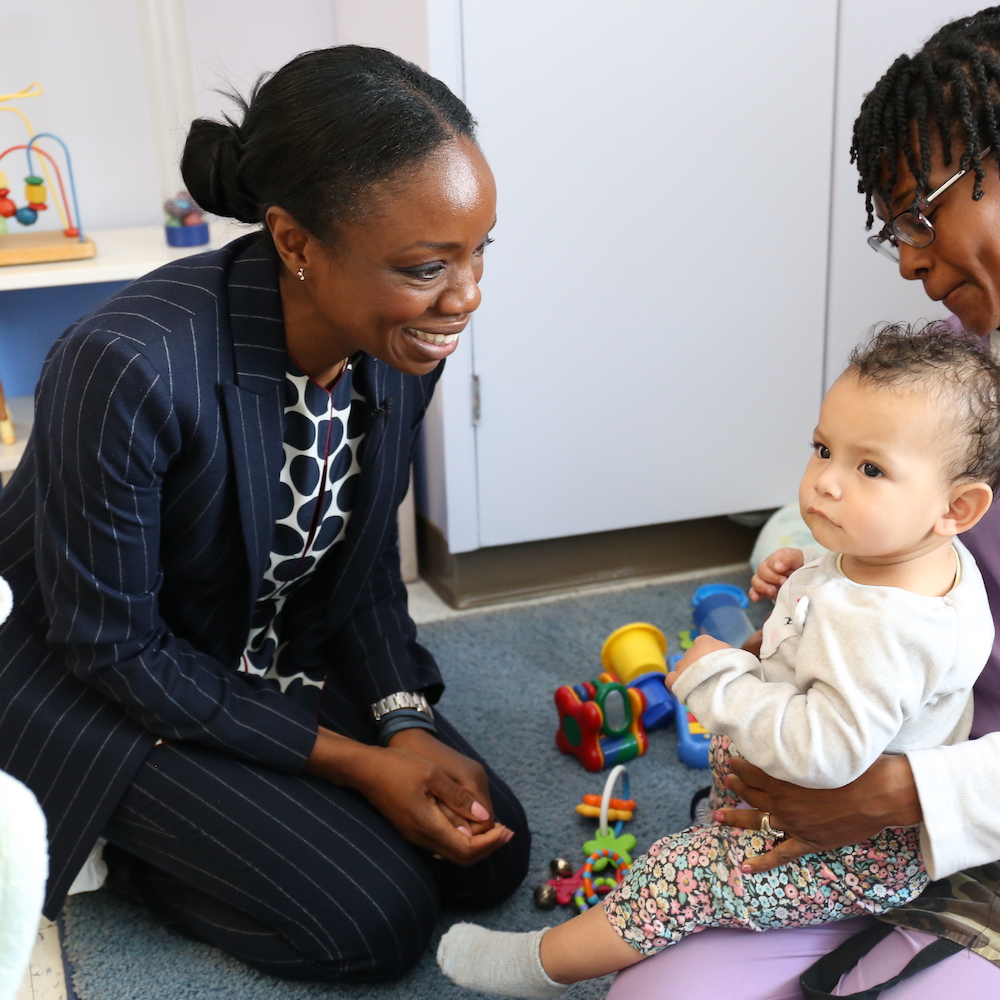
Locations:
{"points": [[501, 668]]}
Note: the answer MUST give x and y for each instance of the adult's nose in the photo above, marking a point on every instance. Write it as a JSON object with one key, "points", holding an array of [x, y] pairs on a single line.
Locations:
{"points": [[461, 296], [914, 262]]}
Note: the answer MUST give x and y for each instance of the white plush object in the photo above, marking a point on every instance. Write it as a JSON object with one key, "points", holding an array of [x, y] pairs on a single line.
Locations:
{"points": [[785, 529], [24, 867]]}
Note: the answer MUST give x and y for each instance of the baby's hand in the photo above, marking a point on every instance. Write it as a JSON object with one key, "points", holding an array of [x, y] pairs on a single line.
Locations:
{"points": [[774, 571], [703, 645]]}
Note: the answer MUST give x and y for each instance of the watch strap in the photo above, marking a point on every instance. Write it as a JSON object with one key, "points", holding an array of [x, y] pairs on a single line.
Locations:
{"points": [[402, 699]]}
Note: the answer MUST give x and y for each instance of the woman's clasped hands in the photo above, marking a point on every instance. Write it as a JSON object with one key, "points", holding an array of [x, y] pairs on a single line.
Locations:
{"points": [[435, 797]]}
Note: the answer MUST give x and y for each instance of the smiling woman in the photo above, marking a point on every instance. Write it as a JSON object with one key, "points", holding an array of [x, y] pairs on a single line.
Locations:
{"points": [[211, 664]]}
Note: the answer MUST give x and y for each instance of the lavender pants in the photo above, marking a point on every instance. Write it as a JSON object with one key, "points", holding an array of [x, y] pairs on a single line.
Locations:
{"points": [[746, 965]]}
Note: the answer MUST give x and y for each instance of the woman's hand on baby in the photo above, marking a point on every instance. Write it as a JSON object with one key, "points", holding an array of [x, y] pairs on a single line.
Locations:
{"points": [[774, 571], [822, 819], [702, 646]]}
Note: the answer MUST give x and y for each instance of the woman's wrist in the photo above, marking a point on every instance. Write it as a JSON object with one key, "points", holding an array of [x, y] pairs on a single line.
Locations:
{"points": [[890, 793], [339, 760]]}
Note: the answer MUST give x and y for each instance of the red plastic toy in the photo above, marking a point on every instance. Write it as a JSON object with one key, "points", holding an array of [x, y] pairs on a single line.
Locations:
{"points": [[600, 723]]}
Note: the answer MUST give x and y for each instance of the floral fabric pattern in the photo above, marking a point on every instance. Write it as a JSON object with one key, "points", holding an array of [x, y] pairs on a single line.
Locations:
{"points": [[692, 880]]}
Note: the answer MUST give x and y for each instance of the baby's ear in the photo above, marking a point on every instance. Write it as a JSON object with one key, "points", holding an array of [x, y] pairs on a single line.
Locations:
{"points": [[969, 502]]}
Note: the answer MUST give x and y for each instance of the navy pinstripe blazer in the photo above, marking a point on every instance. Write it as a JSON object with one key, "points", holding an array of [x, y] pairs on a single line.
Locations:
{"points": [[136, 531]]}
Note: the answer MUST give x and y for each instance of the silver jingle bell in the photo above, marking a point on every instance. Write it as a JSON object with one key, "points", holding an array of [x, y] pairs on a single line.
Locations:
{"points": [[545, 897]]}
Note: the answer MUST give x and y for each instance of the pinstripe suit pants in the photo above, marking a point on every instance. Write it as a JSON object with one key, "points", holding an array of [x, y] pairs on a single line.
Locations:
{"points": [[288, 873]]}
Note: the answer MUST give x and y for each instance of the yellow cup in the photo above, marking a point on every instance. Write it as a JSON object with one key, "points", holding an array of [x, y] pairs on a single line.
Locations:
{"points": [[634, 649]]}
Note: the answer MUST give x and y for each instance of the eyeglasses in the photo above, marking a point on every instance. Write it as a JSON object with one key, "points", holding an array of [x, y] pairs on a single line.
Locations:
{"points": [[913, 227]]}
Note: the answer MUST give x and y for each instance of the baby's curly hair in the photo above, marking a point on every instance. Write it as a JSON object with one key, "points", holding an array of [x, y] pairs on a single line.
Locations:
{"points": [[961, 372]]}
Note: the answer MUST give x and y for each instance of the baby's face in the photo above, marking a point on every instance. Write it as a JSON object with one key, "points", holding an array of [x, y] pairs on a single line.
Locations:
{"points": [[876, 483]]}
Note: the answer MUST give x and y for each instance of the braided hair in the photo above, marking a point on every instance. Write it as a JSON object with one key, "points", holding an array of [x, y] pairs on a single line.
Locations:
{"points": [[948, 94]]}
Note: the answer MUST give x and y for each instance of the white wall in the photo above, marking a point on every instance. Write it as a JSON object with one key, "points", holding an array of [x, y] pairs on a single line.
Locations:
{"points": [[87, 54], [864, 287]]}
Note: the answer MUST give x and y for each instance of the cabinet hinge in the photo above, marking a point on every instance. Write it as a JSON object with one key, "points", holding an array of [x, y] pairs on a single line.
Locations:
{"points": [[476, 401]]}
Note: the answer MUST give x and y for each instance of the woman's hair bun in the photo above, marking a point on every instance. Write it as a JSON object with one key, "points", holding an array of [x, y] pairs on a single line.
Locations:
{"points": [[210, 166]]}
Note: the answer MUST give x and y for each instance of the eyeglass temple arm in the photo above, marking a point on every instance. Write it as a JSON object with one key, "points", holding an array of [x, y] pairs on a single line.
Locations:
{"points": [[955, 178]]}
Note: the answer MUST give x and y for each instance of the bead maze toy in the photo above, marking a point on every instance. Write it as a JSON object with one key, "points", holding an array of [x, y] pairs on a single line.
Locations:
{"points": [[609, 847], [35, 247]]}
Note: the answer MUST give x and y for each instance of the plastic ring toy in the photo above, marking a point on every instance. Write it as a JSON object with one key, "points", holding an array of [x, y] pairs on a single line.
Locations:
{"points": [[586, 896]]}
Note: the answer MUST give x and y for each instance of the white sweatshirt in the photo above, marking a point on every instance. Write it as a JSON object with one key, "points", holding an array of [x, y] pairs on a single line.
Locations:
{"points": [[848, 672]]}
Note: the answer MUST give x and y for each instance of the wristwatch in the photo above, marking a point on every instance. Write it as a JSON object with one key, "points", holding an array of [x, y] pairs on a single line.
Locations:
{"points": [[402, 699]]}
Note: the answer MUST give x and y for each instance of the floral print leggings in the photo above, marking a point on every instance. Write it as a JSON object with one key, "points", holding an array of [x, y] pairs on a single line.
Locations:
{"points": [[691, 880]]}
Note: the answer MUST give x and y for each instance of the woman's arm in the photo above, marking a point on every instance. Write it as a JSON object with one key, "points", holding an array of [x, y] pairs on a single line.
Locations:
{"points": [[104, 439], [953, 791]]}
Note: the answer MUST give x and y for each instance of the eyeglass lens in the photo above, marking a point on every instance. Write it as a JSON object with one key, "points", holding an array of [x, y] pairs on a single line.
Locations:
{"points": [[913, 228]]}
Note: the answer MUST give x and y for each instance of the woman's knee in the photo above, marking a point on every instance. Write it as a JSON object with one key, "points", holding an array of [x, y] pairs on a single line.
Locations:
{"points": [[382, 939]]}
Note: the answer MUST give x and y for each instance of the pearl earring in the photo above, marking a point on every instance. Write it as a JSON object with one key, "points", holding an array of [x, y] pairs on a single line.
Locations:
{"points": [[301, 272]]}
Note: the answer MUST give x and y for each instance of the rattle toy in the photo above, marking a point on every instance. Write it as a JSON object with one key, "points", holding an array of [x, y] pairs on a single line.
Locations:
{"points": [[608, 847], [619, 809]]}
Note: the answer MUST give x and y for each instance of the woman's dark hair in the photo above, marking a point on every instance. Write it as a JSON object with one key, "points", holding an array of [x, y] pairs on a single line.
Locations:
{"points": [[955, 369], [949, 90], [317, 133]]}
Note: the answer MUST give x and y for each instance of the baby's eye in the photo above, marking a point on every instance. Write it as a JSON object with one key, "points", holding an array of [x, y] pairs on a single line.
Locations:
{"points": [[870, 470], [821, 450]]}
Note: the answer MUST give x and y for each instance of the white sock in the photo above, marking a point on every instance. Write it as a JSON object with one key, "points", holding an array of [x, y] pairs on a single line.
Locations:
{"points": [[496, 962]]}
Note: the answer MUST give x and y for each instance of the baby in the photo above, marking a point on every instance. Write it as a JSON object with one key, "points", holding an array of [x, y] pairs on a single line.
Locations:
{"points": [[872, 649]]}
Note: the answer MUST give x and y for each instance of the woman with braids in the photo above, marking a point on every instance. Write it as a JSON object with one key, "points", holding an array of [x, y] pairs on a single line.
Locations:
{"points": [[927, 146], [210, 664]]}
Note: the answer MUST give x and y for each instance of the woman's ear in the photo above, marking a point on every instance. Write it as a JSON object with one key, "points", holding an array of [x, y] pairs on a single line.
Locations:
{"points": [[289, 237], [969, 502]]}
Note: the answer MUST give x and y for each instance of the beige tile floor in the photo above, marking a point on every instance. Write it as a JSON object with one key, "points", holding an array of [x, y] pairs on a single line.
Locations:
{"points": [[45, 978]]}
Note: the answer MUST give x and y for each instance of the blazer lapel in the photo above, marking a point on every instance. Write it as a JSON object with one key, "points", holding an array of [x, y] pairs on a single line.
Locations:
{"points": [[254, 402]]}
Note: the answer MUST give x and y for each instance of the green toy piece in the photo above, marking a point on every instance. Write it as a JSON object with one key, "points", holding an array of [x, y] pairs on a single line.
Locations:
{"points": [[608, 841]]}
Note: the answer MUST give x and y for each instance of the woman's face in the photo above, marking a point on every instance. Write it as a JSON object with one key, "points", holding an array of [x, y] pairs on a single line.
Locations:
{"points": [[961, 268], [401, 282]]}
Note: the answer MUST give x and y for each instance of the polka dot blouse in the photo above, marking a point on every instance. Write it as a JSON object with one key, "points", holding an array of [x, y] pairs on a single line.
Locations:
{"points": [[319, 476]]}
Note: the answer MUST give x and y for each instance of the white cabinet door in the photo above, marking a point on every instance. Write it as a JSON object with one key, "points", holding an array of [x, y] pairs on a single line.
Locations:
{"points": [[650, 343]]}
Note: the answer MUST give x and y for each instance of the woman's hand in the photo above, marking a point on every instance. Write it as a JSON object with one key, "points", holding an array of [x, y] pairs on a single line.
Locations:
{"points": [[702, 646], [418, 796], [821, 819], [465, 772], [774, 571]]}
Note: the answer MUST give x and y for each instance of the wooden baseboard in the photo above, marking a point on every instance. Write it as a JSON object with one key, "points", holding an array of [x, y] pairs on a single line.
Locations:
{"points": [[534, 569]]}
